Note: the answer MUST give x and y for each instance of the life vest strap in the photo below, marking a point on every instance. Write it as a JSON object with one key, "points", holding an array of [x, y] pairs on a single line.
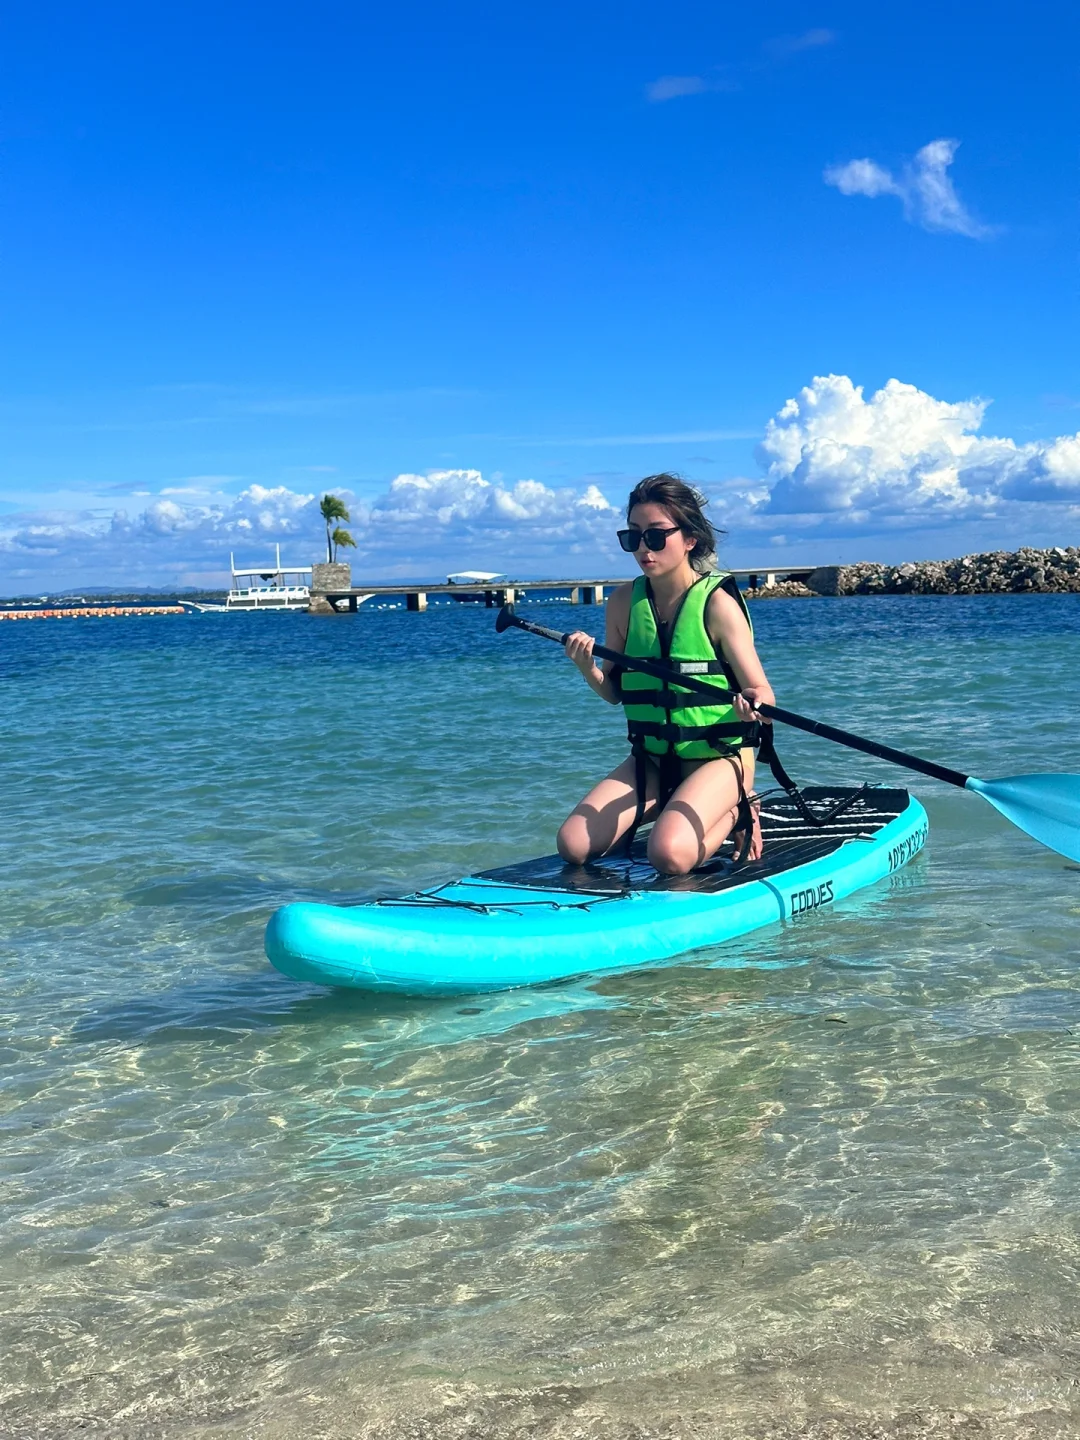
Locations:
{"points": [[677, 734], [767, 753], [670, 778], [672, 699], [626, 845]]}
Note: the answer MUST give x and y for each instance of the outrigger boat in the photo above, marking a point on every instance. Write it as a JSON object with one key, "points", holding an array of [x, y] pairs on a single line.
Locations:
{"points": [[277, 592]]}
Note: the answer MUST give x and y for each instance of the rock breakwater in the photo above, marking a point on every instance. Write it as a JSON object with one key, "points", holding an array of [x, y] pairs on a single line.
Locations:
{"points": [[995, 572], [783, 590]]}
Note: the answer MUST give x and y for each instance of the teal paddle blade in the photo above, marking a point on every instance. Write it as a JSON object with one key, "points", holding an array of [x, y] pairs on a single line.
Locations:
{"points": [[1047, 807]]}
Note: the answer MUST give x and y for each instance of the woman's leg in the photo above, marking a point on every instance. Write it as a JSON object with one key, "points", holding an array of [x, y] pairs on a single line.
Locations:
{"points": [[606, 813], [700, 816]]}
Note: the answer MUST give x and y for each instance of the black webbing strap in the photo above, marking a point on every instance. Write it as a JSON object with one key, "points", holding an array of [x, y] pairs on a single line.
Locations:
{"points": [[744, 817], [767, 752], [641, 776], [735, 731], [673, 699], [670, 768]]}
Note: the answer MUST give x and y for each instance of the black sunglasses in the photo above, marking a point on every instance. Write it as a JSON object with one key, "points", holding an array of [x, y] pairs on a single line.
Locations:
{"points": [[655, 537]]}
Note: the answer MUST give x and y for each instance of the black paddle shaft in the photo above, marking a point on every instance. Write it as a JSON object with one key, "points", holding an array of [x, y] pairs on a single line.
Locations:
{"points": [[507, 618]]}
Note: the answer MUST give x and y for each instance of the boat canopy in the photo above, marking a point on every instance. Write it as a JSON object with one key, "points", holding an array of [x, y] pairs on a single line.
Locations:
{"points": [[273, 572], [473, 577]]}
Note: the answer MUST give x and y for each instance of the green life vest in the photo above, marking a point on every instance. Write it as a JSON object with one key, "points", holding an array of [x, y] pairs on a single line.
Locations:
{"points": [[660, 721]]}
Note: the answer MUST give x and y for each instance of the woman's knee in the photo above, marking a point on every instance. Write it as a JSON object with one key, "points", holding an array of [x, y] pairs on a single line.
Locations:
{"points": [[572, 840], [673, 855]]}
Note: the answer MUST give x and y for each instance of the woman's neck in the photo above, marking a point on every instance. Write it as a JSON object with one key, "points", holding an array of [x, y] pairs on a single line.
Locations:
{"points": [[669, 589]]}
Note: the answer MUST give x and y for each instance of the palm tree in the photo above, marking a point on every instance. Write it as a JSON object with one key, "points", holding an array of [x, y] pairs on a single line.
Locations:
{"points": [[341, 537], [331, 509]]}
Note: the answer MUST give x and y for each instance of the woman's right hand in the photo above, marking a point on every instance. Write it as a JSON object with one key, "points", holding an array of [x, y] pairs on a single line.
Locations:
{"points": [[579, 647]]}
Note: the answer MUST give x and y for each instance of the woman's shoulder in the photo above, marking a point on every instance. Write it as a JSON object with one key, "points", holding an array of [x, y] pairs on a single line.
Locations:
{"points": [[722, 602], [618, 614], [720, 585], [622, 596]]}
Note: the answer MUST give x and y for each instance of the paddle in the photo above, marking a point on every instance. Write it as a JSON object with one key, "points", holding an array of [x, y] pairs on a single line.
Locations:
{"points": [[1046, 807]]}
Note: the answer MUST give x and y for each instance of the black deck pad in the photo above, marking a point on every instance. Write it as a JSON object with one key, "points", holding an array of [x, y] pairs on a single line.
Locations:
{"points": [[789, 840]]}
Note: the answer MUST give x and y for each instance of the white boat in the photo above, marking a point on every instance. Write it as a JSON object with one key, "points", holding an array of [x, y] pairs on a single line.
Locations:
{"points": [[282, 587]]}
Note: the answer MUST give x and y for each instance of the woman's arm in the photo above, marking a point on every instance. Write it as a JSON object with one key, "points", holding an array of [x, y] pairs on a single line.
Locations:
{"points": [[730, 633], [579, 646]]}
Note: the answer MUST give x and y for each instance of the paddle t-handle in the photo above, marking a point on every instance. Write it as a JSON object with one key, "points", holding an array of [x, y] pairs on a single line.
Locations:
{"points": [[1046, 807], [506, 618]]}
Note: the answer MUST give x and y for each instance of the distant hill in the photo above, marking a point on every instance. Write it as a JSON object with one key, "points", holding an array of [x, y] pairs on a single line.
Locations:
{"points": [[110, 594]]}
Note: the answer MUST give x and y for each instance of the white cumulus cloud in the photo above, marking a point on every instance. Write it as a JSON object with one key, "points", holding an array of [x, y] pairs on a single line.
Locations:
{"points": [[837, 464], [861, 177], [419, 526], [445, 516], [901, 456], [923, 186], [456, 497]]}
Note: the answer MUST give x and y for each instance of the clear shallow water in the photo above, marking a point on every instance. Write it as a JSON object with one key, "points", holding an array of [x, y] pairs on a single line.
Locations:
{"points": [[826, 1178]]}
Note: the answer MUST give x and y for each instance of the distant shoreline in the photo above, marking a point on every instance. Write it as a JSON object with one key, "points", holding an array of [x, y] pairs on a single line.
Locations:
{"points": [[1026, 571], [97, 598], [994, 572]]}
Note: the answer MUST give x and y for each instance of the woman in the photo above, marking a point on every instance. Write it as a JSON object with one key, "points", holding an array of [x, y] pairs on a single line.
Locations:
{"points": [[691, 767]]}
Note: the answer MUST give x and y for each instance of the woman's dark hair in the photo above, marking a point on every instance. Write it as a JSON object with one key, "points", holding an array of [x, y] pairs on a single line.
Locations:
{"points": [[684, 504]]}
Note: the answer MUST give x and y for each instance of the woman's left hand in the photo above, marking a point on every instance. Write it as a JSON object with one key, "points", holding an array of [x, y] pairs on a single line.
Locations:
{"points": [[747, 701]]}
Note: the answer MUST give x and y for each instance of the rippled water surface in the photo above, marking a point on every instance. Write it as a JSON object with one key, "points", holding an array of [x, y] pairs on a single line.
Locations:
{"points": [[828, 1185]]}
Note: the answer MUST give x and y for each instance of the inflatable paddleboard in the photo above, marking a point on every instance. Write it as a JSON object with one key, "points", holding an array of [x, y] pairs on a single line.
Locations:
{"points": [[543, 920]]}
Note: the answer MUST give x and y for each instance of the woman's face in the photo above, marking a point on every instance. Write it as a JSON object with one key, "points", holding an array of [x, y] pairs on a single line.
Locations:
{"points": [[674, 554]]}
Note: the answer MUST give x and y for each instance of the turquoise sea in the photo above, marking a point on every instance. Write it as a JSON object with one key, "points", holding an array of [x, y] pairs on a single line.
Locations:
{"points": [[822, 1182]]}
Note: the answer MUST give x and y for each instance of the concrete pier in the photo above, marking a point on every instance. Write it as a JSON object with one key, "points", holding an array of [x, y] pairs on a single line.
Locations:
{"points": [[328, 597]]}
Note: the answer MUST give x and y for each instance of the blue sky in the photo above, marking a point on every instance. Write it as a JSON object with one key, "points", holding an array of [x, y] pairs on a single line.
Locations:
{"points": [[520, 256]]}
